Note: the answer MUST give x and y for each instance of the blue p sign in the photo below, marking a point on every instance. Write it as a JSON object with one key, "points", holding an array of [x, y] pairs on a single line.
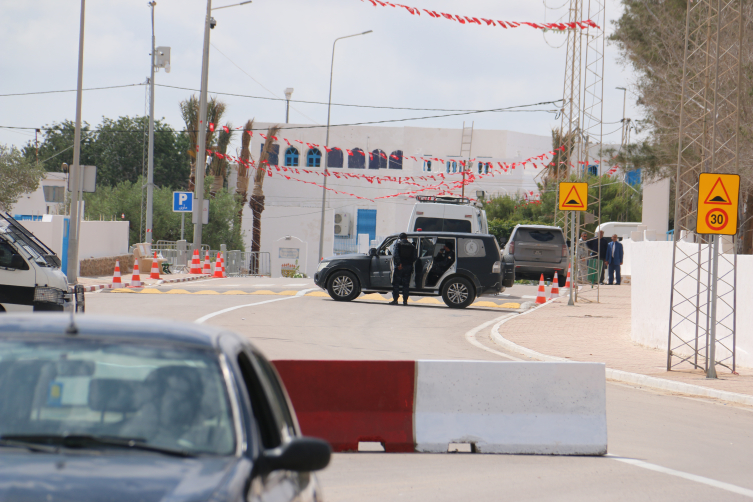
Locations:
{"points": [[182, 202]]}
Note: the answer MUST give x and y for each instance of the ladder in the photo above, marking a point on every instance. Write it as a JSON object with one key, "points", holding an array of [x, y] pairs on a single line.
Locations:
{"points": [[466, 141]]}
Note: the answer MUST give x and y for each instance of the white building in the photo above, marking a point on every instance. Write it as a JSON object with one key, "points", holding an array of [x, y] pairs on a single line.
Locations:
{"points": [[293, 208]]}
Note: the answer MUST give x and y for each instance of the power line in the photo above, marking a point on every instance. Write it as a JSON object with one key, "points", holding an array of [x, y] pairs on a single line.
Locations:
{"points": [[69, 90]]}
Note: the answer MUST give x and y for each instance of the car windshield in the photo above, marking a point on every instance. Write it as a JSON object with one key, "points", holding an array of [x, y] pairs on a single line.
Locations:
{"points": [[425, 224], [17, 235], [168, 398], [524, 234]]}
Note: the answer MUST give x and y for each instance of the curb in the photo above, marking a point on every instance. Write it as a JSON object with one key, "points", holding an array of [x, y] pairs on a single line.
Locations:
{"points": [[625, 376], [97, 287]]}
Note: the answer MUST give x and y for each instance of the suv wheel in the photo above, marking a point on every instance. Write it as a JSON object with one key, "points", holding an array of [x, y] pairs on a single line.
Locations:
{"points": [[458, 293], [343, 286]]}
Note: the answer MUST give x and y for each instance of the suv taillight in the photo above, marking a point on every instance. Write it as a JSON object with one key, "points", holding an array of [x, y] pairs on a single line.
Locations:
{"points": [[564, 250], [496, 267], [512, 247]]}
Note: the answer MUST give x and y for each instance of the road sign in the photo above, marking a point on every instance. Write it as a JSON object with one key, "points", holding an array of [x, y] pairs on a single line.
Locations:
{"points": [[718, 195], [204, 214], [573, 196], [182, 202], [89, 181]]}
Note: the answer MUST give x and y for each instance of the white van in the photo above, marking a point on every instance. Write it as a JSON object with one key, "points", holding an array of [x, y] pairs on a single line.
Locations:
{"points": [[30, 275], [621, 228], [447, 214]]}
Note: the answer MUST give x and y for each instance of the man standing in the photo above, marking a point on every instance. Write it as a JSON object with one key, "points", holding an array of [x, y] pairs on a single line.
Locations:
{"points": [[614, 259], [403, 257], [441, 263], [599, 246]]}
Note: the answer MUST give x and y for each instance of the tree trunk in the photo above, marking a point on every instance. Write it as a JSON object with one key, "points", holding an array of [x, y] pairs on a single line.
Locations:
{"points": [[257, 207], [747, 227]]}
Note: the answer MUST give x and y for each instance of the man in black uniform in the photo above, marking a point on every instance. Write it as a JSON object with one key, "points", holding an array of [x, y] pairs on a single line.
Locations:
{"points": [[441, 263], [598, 246], [403, 257]]}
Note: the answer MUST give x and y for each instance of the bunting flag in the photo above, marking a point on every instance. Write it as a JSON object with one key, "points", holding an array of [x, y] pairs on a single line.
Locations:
{"points": [[480, 21]]}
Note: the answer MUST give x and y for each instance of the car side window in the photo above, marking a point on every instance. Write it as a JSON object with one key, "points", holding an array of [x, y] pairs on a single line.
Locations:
{"points": [[261, 407], [426, 247], [285, 421], [386, 248], [6, 254]]}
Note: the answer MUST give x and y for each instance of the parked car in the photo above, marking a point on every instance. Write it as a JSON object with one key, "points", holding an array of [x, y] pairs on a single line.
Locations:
{"points": [[98, 408], [538, 249], [478, 269], [436, 213]]}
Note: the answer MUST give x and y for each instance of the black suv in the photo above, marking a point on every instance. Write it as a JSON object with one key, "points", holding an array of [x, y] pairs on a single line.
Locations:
{"points": [[478, 268]]}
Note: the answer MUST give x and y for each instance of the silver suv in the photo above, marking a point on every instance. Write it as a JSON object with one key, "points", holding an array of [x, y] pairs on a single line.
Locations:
{"points": [[538, 249]]}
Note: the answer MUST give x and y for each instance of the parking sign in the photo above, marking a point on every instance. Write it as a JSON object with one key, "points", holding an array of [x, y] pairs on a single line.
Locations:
{"points": [[182, 202]]}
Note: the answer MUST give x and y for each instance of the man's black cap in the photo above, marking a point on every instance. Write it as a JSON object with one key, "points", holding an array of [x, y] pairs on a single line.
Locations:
{"points": [[403, 235]]}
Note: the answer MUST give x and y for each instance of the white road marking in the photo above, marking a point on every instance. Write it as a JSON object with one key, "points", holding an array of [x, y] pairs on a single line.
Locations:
{"points": [[470, 336], [200, 320], [692, 477], [296, 285]]}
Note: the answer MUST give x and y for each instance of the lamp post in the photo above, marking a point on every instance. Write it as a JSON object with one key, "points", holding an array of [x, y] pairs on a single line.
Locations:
{"points": [[201, 154], [288, 93], [326, 158], [624, 100]]}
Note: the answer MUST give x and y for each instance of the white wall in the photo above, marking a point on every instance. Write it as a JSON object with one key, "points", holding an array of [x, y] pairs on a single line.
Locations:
{"points": [[656, 206], [99, 239], [651, 286], [34, 203]]}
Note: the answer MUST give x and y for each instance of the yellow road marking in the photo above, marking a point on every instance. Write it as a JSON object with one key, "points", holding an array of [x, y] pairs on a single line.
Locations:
{"points": [[235, 292], [206, 292], [150, 291], [122, 290], [263, 292], [288, 293], [317, 293], [372, 296], [178, 292]]}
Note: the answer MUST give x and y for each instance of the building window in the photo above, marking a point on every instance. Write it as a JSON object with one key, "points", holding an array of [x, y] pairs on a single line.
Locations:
{"points": [[396, 163], [483, 167], [427, 165], [335, 158], [53, 193], [376, 161], [357, 160], [314, 158], [274, 153], [480, 167], [291, 157]]}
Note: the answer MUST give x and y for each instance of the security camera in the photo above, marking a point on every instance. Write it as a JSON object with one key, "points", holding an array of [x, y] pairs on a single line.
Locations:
{"points": [[212, 23]]}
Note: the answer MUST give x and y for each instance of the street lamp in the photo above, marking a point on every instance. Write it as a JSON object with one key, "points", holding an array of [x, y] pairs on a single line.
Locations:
{"points": [[326, 158], [288, 93], [624, 100], [201, 154]]}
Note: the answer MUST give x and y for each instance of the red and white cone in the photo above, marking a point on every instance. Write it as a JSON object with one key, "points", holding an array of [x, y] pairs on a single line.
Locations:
{"points": [[155, 268], [567, 283], [541, 296], [116, 274], [135, 277], [555, 291], [207, 264], [218, 266], [224, 275], [195, 263]]}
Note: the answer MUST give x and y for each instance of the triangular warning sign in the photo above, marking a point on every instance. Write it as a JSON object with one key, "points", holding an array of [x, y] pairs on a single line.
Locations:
{"points": [[718, 195], [573, 199]]}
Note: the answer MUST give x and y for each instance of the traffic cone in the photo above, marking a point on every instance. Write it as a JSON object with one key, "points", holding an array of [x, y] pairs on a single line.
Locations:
{"points": [[155, 268], [567, 283], [207, 264], [116, 274], [218, 266], [195, 263], [135, 277], [224, 275], [555, 291], [541, 296]]}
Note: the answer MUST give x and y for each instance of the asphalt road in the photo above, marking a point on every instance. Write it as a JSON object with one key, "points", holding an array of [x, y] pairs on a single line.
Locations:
{"points": [[681, 448]]}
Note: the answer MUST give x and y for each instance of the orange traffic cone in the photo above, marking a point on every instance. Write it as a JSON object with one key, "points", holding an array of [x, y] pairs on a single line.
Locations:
{"points": [[567, 283], [541, 296], [135, 277], [195, 263], [116, 274], [218, 266], [155, 268], [207, 264], [224, 275], [555, 291]]}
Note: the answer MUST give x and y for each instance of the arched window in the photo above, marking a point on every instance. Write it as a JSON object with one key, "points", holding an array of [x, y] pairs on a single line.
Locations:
{"points": [[487, 167], [396, 163], [376, 161], [448, 166], [357, 160], [314, 158], [454, 167], [274, 153], [481, 167], [291, 157], [335, 158], [427, 165]]}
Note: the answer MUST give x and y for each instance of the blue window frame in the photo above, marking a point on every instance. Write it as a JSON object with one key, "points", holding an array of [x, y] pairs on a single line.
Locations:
{"points": [[274, 154], [357, 160], [366, 223], [291, 157], [396, 164], [314, 158], [427, 165], [335, 158]]}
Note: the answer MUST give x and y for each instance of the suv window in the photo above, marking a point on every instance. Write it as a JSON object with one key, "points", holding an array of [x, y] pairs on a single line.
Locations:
{"points": [[538, 235], [263, 413], [386, 248], [424, 224]]}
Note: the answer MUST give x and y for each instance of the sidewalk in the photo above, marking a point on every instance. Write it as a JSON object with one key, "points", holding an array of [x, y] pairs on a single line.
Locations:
{"points": [[600, 332], [106, 282]]}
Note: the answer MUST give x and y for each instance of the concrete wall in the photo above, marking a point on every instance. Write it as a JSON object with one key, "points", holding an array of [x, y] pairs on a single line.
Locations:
{"points": [[34, 203], [656, 206], [651, 287]]}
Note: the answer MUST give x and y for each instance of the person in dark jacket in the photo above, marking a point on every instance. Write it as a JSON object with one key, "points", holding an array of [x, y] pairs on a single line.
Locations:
{"points": [[441, 263], [403, 257], [614, 259], [599, 246]]}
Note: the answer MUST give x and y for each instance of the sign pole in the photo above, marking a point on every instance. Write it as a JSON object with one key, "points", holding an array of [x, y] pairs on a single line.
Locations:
{"points": [[182, 224], [573, 245], [711, 360]]}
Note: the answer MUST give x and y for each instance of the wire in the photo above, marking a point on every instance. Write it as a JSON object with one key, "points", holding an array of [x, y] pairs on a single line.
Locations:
{"points": [[69, 90]]}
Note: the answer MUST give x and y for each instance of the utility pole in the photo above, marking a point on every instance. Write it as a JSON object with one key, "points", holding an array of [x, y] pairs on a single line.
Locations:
{"points": [[150, 161], [36, 143], [72, 265], [288, 93], [201, 144]]}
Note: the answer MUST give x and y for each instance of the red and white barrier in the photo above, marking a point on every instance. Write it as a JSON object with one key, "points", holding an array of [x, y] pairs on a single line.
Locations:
{"points": [[543, 408]]}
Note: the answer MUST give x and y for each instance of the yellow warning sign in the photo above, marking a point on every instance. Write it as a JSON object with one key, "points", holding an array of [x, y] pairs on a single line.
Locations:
{"points": [[717, 203], [573, 196]]}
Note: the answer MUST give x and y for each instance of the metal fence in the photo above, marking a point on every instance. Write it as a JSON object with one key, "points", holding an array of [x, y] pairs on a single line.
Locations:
{"points": [[245, 263], [345, 245], [237, 263]]}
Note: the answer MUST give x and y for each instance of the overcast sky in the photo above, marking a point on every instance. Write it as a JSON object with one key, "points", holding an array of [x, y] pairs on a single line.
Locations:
{"points": [[261, 48]]}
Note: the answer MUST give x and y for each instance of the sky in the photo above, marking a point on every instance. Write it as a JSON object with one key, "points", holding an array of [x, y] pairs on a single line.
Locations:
{"points": [[261, 48]]}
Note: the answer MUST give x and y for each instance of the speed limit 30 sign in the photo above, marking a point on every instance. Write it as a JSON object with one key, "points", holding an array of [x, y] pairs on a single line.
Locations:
{"points": [[718, 196]]}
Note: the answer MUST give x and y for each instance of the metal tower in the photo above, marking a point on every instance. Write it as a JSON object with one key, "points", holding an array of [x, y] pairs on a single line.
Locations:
{"points": [[708, 142]]}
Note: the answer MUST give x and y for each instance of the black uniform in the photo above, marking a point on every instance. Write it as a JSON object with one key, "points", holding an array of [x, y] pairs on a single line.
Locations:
{"points": [[441, 263], [599, 248], [405, 254]]}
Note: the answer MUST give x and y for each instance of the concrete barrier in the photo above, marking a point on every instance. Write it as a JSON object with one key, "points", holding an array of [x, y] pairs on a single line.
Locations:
{"points": [[346, 402], [511, 407]]}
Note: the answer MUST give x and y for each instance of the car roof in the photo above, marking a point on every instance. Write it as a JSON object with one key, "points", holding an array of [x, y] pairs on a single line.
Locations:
{"points": [[539, 227], [54, 325], [466, 235]]}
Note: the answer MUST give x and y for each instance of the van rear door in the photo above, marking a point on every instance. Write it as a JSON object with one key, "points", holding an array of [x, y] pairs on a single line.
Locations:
{"points": [[542, 245]]}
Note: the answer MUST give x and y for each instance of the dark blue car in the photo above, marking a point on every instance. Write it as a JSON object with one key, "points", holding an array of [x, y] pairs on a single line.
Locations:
{"points": [[108, 409]]}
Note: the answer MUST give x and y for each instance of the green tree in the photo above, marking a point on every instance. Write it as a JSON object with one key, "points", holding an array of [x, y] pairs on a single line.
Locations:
{"points": [[56, 146], [17, 176]]}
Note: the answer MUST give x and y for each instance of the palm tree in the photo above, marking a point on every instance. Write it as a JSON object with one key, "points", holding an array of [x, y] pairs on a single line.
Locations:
{"points": [[257, 196], [242, 181], [189, 109], [218, 168]]}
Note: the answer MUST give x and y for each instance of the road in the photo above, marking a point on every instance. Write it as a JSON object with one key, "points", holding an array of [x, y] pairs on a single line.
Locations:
{"points": [[681, 448]]}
